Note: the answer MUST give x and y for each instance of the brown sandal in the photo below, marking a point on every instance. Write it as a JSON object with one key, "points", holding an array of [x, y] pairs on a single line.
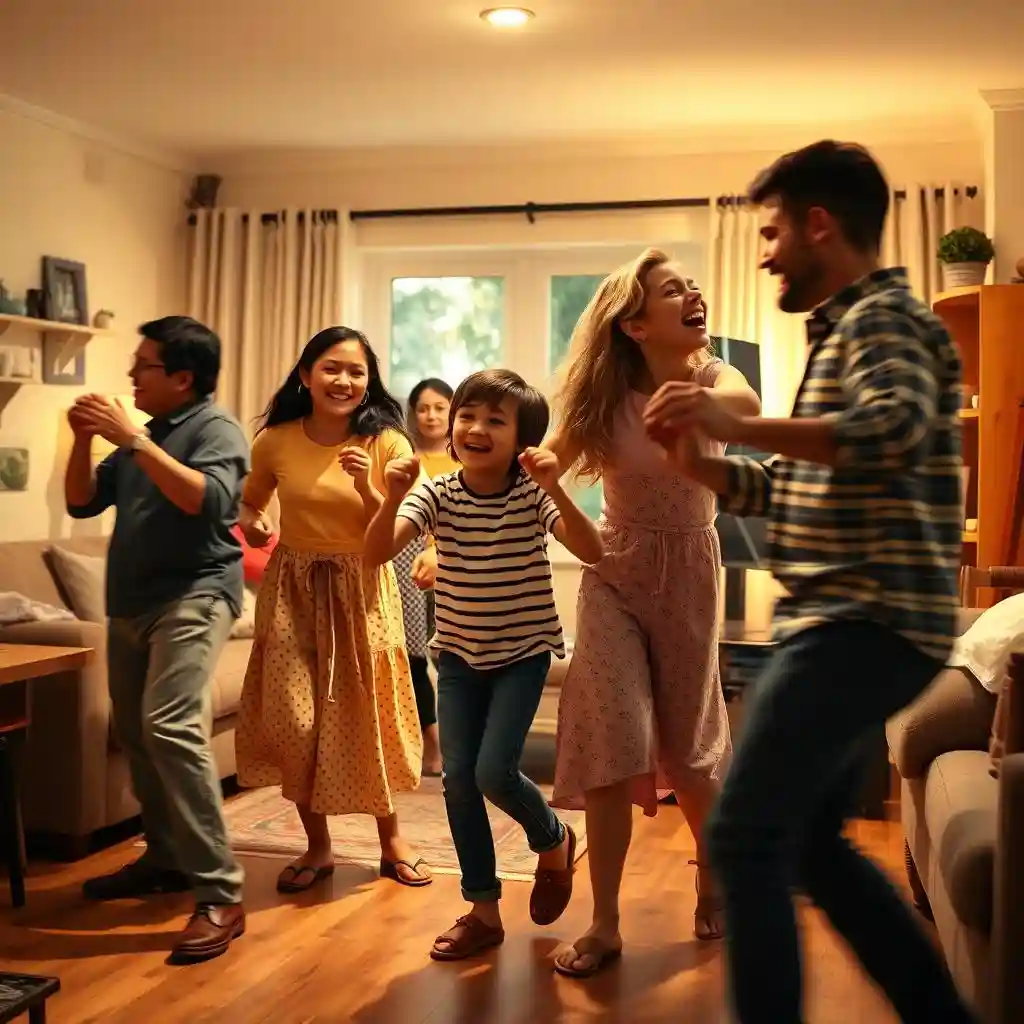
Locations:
{"points": [[475, 937], [707, 915], [552, 887]]}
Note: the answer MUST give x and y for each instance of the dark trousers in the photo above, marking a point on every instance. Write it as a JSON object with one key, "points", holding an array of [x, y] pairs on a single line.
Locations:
{"points": [[426, 702], [484, 716], [779, 824]]}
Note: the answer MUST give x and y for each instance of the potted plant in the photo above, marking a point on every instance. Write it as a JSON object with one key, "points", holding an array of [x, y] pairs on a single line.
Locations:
{"points": [[965, 254]]}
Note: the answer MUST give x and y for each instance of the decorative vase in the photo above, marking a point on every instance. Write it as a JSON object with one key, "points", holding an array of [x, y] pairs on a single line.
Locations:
{"points": [[9, 305], [963, 275]]}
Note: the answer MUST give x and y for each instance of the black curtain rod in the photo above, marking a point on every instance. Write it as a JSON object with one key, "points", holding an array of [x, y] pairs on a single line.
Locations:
{"points": [[532, 210]]}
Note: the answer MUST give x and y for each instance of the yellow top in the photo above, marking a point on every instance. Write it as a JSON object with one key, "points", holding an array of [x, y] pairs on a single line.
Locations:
{"points": [[437, 463], [320, 509]]}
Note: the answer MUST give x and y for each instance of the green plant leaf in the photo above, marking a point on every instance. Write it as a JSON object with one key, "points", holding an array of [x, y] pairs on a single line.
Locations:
{"points": [[965, 245]]}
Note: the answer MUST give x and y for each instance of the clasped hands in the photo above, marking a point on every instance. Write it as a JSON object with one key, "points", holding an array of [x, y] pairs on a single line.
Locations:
{"points": [[98, 416], [679, 411]]}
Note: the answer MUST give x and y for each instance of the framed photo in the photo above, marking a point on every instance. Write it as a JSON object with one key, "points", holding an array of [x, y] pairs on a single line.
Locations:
{"points": [[64, 298], [13, 469]]}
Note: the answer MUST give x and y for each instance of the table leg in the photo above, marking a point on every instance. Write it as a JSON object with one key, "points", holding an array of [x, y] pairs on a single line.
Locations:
{"points": [[37, 1014], [14, 834]]}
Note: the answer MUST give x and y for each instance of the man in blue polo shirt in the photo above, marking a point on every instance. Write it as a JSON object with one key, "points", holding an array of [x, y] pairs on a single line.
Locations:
{"points": [[174, 587]]}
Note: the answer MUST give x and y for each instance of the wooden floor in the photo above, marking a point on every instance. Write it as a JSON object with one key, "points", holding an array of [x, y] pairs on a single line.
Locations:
{"points": [[357, 951]]}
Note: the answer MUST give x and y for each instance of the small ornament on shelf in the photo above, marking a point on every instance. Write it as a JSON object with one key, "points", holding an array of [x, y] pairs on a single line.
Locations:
{"points": [[103, 319], [1019, 279]]}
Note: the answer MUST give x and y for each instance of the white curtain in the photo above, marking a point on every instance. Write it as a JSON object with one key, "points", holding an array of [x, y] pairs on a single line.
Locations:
{"points": [[918, 220], [266, 283], [743, 303]]}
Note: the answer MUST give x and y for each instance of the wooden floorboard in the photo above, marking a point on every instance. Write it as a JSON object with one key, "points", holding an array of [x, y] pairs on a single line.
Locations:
{"points": [[356, 951]]}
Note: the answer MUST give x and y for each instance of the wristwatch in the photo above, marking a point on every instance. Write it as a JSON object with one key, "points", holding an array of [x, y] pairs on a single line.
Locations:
{"points": [[138, 442]]}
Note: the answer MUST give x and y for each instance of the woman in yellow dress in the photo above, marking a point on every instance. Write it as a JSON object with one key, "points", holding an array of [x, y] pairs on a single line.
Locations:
{"points": [[328, 710], [429, 405]]}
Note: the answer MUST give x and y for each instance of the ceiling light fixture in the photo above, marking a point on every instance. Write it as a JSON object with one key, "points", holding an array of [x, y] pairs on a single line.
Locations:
{"points": [[506, 17]]}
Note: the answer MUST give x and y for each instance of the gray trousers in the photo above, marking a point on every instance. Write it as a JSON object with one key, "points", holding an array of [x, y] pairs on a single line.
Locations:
{"points": [[159, 668]]}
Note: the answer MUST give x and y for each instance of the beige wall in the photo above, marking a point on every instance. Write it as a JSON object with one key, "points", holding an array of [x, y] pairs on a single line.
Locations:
{"points": [[62, 194]]}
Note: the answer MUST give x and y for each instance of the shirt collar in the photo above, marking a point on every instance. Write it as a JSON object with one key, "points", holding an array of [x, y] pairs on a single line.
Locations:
{"points": [[824, 318], [179, 415]]}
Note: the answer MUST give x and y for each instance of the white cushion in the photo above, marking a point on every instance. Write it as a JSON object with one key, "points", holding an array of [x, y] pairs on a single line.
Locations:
{"points": [[985, 649]]}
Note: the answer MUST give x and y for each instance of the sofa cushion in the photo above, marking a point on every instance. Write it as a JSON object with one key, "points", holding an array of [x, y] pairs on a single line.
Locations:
{"points": [[225, 686], [244, 627], [960, 809], [228, 676], [25, 567], [83, 579]]}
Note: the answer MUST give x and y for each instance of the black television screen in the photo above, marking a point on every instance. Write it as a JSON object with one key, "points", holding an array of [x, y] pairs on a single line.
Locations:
{"points": [[743, 541]]}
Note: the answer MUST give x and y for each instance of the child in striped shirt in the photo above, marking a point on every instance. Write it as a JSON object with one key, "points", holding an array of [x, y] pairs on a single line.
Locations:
{"points": [[497, 629]]}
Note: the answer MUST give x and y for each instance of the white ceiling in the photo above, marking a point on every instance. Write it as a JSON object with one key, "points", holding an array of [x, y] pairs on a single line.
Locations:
{"points": [[208, 78]]}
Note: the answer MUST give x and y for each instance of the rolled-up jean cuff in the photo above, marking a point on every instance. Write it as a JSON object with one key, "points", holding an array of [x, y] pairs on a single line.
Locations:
{"points": [[484, 895], [548, 847]]}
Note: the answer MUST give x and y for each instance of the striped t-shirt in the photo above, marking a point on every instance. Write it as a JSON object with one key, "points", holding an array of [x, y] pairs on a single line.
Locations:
{"points": [[493, 594]]}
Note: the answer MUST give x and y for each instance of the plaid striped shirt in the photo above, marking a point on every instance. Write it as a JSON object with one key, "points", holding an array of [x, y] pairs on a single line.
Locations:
{"points": [[878, 536]]}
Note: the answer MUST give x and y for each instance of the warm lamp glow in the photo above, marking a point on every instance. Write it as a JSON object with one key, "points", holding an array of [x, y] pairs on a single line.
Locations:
{"points": [[506, 17]]}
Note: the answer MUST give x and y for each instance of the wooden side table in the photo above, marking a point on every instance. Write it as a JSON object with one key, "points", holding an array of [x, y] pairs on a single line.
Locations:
{"points": [[20, 663]]}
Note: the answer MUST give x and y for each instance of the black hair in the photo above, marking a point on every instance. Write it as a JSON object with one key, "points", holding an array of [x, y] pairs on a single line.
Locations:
{"points": [[841, 178], [442, 387], [489, 387], [429, 384], [188, 346], [379, 410]]}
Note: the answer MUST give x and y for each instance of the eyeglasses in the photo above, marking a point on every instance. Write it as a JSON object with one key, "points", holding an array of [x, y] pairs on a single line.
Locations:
{"points": [[139, 365]]}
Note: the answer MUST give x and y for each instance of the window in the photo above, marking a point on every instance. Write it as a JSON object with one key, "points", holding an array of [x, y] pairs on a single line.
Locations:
{"points": [[444, 327], [447, 312], [568, 297]]}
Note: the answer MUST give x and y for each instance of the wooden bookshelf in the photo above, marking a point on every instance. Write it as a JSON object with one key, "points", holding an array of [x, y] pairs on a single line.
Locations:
{"points": [[987, 323]]}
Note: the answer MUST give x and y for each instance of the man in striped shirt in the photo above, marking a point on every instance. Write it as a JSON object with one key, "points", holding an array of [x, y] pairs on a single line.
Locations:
{"points": [[863, 503]]}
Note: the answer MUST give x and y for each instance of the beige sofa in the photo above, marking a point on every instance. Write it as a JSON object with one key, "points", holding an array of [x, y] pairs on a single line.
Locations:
{"points": [[965, 834], [74, 777]]}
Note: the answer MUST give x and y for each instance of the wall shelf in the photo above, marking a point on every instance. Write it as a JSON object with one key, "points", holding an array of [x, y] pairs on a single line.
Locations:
{"points": [[61, 343]]}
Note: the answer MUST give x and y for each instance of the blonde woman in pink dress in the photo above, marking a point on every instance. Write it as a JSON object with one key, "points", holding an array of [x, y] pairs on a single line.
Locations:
{"points": [[641, 705]]}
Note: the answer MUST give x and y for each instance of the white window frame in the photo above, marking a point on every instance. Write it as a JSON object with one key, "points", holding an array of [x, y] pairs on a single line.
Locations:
{"points": [[527, 272]]}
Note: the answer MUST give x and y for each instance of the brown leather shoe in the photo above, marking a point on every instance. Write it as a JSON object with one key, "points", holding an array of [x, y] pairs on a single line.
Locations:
{"points": [[209, 932]]}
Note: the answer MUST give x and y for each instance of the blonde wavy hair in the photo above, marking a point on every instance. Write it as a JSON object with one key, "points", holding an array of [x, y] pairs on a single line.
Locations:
{"points": [[603, 364]]}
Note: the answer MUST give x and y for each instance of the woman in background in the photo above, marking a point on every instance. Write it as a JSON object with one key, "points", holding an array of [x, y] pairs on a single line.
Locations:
{"points": [[416, 566]]}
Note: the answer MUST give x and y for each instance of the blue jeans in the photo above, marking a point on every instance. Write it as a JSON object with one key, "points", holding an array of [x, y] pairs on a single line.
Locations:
{"points": [[483, 716], [779, 824]]}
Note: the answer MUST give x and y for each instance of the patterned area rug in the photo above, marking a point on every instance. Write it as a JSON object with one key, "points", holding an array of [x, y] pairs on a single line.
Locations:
{"points": [[261, 822]]}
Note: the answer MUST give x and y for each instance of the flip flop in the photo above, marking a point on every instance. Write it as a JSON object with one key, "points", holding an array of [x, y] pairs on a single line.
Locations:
{"points": [[288, 880], [389, 869], [600, 954]]}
